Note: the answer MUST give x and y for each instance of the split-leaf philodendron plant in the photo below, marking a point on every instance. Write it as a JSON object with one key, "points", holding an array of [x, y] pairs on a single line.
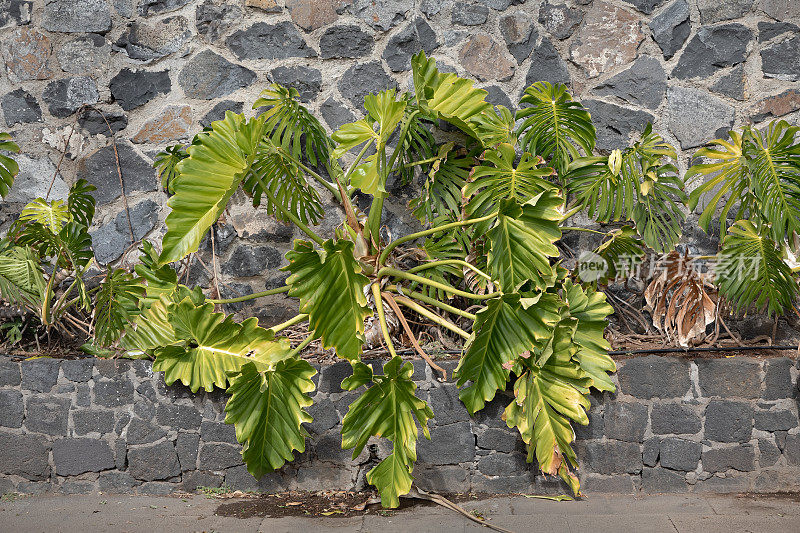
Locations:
{"points": [[493, 202]]}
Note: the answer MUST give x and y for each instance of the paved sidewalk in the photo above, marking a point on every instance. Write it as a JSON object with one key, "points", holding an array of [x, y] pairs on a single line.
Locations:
{"points": [[599, 513]]}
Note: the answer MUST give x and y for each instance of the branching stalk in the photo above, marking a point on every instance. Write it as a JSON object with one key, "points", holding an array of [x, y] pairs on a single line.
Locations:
{"points": [[325, 183], [252, 296], [291, 216], [444, 262], [289, 323], [308, 340], [432, 317], [431, 301], [387, 271], [376, 294]]}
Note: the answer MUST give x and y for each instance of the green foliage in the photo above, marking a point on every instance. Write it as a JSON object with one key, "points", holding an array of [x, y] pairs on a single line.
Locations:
{"points": [[116, 305], [8, 167]]}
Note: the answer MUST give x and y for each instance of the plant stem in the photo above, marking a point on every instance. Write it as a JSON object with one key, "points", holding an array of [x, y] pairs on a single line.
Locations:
{"points": [[432, 317], [328, 185], [387, 271], [587, 230], [376, 294], [308, 340], [412, 236], [442, 262], [402, 138], [252, 296], [422, 162], [290, 322], [291, 216], [431, 301], [357, 160]]}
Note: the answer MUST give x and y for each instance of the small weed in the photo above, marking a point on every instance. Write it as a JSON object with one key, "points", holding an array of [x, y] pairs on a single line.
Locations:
{"points": [[9, 496], [214, 491]]}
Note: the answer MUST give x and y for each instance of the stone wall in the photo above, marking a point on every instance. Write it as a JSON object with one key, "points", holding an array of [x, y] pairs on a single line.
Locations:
{"points": [[159, 69], [716, 425]]}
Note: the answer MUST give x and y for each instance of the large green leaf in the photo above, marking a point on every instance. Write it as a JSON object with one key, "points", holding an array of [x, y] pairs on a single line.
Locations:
{"points": [[751, 272], [52, 215], [81, 203], [116, 305], [522, 242], [152, 329], [591, 310], [218, 161], [504, 329], [22, 281], [211, 345], [554, 126], [502, 180], [166, 162], [330, 286], [441, 194], [622, 251], [774, 163], [8, 167], [387, 409], [267, 406], [159, 280]]}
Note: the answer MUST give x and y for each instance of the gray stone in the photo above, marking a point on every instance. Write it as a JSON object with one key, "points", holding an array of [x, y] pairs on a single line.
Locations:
{"points": [[142, 432], [731, 84], [501, 440], [643, 84], [778, 379], [187, 446], [194, 480], [208, 75], [443, 479], [148, 41], [33, 181], [382, 15], [781, 9], [325, 416], [20, 107], [645, 6], [219, 456], [782, 420], [362, 79], [39, 375], [156, 462], [89, 53], [597, 484], [247, 260], [307, 80], [500, 464], [616, 126], [134, 88], [336, 114], [594, 429], [89, 421], [11, 408], [221, 432], [671, 27], [66, 96], [100, 169], [46, 414], [450, 444], [625, 421], [694, 116], [792, 449], [269, 41], [730, 378], [213, 20], [416, 36], [559, 20], [497, 96], [69, 16], [659, 480], [77, 487], [157, 488], [9, 373], [218, 113], [449, 408], [76, 456], [25, 456], [769, 30], [711, 48], [116, 482], [113, 392], [143, 218], [729, 421], [467, 14], [151, 7], [610, 457], [178, 416], [95, 124], [672, 418], [15, 12], [331, 376], [547, 65], [768, 453], [654, 377], [519, 33], [328, 447], [714, 11], [492, 413], [679, 454], [108, 243], [740, 458], [345, 42], [650, 451], [78, 370]]}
